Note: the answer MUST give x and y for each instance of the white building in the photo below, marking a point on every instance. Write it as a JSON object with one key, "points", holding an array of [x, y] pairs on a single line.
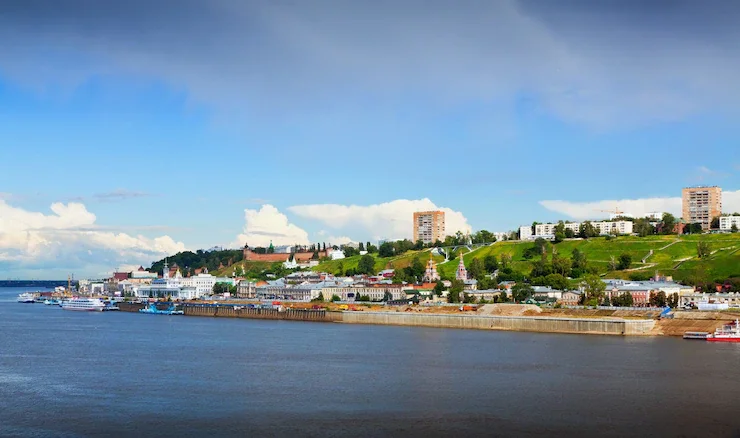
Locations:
{"points": [[336, 254], [726, 222], [525, 233], [203, 283], [602, 227]]}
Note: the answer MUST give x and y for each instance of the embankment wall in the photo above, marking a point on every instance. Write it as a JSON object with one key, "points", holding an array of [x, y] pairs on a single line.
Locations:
{"points": [[516, 323]]}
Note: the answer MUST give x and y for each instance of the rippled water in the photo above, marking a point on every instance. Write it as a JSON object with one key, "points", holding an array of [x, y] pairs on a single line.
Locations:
{"points": [[97, 374]]}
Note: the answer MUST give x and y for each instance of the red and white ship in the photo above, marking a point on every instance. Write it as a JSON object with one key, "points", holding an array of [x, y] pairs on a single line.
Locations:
{"points": [[728, 333]]}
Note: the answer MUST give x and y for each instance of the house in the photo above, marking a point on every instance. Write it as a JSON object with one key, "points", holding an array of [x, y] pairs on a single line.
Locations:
{"points": [[571, 298]]}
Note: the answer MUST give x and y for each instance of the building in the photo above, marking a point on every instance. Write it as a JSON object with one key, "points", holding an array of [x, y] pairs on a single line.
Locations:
{"points": [[336, 254], [429, 226], [602, 227], [726, 223], [462, 273], [701, 205], [430, 274], [376, 293], [525, 233]]}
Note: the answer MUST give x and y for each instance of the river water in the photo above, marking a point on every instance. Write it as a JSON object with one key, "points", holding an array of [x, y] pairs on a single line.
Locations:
{"points": [[75, 374]]}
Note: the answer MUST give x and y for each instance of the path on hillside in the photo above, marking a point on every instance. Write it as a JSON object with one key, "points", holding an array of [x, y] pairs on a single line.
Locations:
{"points": [[640, 268], [644, 259], [672, 243]]}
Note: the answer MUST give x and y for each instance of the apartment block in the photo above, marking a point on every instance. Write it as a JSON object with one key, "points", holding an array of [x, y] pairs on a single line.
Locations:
{"points": [[701, 205], [429, 226], [602, 227], [726, 222]]}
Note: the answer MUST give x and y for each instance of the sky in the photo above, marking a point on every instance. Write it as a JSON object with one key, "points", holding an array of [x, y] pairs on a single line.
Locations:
{"points": [[133, 130]]}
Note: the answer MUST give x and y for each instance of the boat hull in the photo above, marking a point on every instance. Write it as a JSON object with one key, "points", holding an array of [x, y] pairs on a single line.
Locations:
{"points": [[77, 309], [723, 339]]}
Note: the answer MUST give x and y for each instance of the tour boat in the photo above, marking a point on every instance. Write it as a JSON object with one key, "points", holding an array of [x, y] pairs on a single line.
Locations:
{"points": [[728, 333], [26, 297], [152, 310], [89, 304]]}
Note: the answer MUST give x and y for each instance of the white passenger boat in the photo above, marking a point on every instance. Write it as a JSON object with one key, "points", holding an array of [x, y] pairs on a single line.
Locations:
{"points": [[89, 304], [26, 297]]}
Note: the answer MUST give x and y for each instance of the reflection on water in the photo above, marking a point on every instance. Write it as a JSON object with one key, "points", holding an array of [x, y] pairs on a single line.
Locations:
{"points": [[124, 374]]}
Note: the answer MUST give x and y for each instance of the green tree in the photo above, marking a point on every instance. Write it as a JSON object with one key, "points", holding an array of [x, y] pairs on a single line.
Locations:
{"points": [[417, 268], [340, 268], [559, 232], [366, 265], [715, 223], [694, 228], [625, 261], [521, 291], [702, 249], [476, 269], [561, 265], [386, 249], [320, 297], [335, 298], [612, 264], [569, 233], [733, 228], [505, 260], [490, 262], [668, 224], [557, 281], [587, 230], [455, 292], [642, 227], [361, 247], [593, 287], [439, 288], [503, 297]]}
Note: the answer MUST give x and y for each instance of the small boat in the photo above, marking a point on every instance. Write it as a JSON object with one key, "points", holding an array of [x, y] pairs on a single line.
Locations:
{"points": [[728, 333], [152, 310], [51, 302], [26, 297], [696, 335]]}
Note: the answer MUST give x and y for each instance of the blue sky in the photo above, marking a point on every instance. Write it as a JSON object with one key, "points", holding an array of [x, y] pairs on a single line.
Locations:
{"points": [[215, 123]]}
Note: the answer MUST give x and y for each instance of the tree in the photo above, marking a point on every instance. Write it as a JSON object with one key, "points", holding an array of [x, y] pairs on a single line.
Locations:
{"points": [[366, 265], [335, 298], [419, 245], [593, 287], [556, 281], [505, 260], [340, 269], [715, 223], [386, 250], [702, 249], [417, 268], [587, 230], [455, 291], [694, 228], [561, 265], [476, 269], [612, 264], [578, 263], [668, 224], [521, 291], [439, 288], [569, 233], [362, 246], [643, 227], [733, 228], [559, 232], [490, 262], [503, 298], [625, 260]]}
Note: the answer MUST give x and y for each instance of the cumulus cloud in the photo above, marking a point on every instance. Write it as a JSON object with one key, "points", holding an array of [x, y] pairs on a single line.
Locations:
{"points": [[269, 225], [31, 240], [389, 220], [636, 207]]}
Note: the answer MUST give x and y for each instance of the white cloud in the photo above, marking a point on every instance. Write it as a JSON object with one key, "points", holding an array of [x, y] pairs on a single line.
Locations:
{"points": [[636, 207], [341, 240], [389, 220], [68, 237], [269, 225]]}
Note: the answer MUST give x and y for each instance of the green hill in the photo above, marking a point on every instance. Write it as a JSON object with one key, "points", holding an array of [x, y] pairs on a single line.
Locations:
{"points": [[669, 255]]}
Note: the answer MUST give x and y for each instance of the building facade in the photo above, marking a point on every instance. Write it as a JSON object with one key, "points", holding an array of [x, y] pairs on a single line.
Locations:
{"points": [[701, 205], [726, 222], [429, 226]]}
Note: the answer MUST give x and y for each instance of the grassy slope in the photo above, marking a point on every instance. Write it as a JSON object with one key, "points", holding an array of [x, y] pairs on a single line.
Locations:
{"points": [[668, 253], [227, 271], [380, 262]]}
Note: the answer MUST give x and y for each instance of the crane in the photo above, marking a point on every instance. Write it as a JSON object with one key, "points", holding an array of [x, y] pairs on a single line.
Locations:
{"points": [[616, 211]]}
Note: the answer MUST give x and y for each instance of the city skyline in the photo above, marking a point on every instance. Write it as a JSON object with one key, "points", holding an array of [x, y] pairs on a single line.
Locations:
{"points": [[126, 138]]}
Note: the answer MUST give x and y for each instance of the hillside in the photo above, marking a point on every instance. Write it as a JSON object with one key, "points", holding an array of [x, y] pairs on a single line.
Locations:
{"points": [[670, 255]]}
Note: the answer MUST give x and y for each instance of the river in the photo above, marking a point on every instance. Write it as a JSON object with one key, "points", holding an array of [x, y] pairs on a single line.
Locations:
{"points": [[76, 374]]}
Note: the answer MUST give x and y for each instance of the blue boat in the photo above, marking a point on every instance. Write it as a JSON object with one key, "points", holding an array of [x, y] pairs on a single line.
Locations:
{"points": [[152, 310]]}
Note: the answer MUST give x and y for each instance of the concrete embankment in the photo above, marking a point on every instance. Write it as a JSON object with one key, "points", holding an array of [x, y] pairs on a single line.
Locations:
{"points": [[515, 323]]}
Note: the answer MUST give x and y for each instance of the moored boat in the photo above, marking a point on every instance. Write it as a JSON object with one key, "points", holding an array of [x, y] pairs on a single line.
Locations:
{"points": [[152, 310], [26, 297], [88, 304], [696, 335], [728, 333]]}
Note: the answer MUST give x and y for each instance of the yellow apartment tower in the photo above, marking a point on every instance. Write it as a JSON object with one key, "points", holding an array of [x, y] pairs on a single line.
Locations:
{"points": [[429, 226], [701, 205]]}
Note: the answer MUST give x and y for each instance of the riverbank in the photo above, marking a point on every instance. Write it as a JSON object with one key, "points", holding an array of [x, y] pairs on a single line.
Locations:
{"points": [[508, 317]]}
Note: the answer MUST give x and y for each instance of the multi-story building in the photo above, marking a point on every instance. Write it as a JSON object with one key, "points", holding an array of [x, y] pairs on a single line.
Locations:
{"points": [[525, 232], [429, 226], [726, 222], [701, 205], [602, 227]]}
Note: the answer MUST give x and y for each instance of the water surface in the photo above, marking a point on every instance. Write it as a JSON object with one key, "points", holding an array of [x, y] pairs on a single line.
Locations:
{"points": [[75, 374]]}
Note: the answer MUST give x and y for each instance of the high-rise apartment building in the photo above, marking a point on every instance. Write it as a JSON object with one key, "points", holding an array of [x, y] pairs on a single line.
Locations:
{"points": [[701, 205], [429, 226]]}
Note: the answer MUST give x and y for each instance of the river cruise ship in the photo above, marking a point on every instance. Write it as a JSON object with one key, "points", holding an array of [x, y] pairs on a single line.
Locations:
{"points": [[89, 304]]}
